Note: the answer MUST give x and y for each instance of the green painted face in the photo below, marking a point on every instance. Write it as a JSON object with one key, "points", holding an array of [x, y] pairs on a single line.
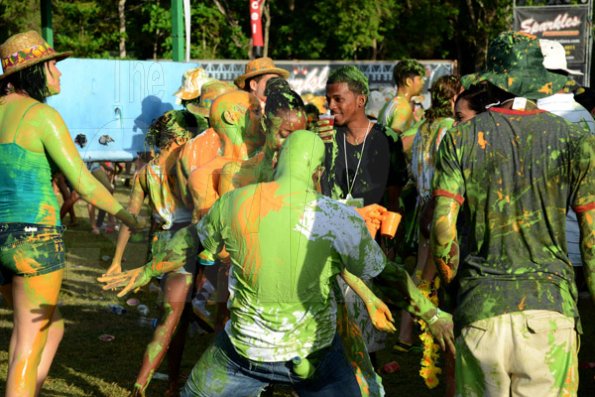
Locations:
{"points": [[281, 125]]}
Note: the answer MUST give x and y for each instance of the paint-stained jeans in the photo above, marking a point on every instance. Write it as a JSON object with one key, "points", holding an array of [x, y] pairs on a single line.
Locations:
{"points": [[222, 372], [30, 250], [529, 353]]}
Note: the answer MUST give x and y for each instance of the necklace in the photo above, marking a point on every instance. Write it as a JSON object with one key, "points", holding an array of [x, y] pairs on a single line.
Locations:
{"points": [[359, 161]]}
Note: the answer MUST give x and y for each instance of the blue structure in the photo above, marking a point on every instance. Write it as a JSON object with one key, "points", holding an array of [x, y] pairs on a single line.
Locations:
{"points": [[118, 99], [113, 102]]}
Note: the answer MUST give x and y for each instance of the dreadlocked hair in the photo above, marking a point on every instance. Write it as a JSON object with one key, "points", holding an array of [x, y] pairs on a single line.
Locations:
{"points": [[283, 100], [169, 126]]}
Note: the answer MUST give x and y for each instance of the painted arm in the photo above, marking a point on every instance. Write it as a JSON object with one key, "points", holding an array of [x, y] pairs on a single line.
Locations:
{"points": [[58, 143], [134, 207], [379, 313], [398, 288], [444, 246], [183, 245], [586, 221]]}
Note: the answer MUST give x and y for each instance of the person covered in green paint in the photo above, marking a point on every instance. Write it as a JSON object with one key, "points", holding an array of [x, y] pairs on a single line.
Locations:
{"points": [[34, 140], [439, 118], [156, 181], [515, 170], [399, 113], [287, 244], [284, 113]]}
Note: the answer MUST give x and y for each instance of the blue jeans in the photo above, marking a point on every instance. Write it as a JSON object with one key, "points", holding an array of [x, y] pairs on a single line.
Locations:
{"points": [[222, 372]]}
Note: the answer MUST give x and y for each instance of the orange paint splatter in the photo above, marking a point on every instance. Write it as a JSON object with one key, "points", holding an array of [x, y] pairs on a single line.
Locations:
{"points": [[25, 264], [47, 215], [481, 141], [521, 304]]}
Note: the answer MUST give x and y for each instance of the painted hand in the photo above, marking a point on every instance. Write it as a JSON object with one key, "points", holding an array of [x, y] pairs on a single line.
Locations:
{"points": [[372, 215], [381, 317], [131, 280], [325, 130], [115, 267], [441, 327]]}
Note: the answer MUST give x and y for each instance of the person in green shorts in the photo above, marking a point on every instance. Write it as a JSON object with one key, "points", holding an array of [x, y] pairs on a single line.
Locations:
{"points": [[34, 141], [287, 243], [514, 170]]}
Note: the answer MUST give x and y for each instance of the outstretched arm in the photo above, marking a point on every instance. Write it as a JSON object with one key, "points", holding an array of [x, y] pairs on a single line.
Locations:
{"points": [[399, 288], [58, 143], [183, 245], [379, 313], [134, 207]]}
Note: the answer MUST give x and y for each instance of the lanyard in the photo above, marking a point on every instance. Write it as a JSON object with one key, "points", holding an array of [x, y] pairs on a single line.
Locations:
{"points": [[359, 161]]}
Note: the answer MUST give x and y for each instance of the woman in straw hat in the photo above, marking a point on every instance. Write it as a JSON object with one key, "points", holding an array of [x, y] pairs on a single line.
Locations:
{"points": [[33, 141]]}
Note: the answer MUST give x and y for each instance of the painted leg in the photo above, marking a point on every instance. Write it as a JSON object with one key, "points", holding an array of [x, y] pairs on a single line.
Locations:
{"points": [[35, 301], [55, 334], [175, 351], [176, 289]]}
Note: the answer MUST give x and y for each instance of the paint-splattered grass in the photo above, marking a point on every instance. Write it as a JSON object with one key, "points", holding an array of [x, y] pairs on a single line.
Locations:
{"points": [[86, 366]]}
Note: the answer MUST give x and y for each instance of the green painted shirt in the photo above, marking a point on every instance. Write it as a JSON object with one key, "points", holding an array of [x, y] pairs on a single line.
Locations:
{"points": [[286, 247], [516, 173]]}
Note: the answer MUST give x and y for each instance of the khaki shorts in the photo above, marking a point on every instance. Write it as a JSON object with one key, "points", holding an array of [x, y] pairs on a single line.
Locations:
{"points": [[528, 353]]}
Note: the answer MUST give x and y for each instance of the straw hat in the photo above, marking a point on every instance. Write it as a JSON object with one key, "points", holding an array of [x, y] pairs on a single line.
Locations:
{"points": [[192, 81], [258, 67], [209, 92], [26, 49]]}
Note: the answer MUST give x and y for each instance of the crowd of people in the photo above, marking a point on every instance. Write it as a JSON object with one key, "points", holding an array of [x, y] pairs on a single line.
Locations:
{"points": [[494, 184]]}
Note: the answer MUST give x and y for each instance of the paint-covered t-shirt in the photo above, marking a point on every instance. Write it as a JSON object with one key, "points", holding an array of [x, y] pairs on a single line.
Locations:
{"points": [[382, 164], [398, 115], [515, 174], [286, 249]]}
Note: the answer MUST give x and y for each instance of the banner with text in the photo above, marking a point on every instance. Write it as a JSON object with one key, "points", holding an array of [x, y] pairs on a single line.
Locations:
{"points": [[566, 24]]}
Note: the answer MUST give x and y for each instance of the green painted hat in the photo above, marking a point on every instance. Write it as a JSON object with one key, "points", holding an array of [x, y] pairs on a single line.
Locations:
{"points": [[515, 65]]}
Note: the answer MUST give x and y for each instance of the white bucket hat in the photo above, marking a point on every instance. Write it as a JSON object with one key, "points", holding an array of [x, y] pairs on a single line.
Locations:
{"points": [[554, 57]]}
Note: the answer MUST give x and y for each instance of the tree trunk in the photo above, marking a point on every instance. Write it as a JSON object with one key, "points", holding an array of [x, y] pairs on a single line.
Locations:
{"points": [[122, 16], [267, 26]]}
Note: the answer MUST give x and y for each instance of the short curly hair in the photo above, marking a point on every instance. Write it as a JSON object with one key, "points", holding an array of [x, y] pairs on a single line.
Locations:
{"points": [[355, 79], [407, 68]]}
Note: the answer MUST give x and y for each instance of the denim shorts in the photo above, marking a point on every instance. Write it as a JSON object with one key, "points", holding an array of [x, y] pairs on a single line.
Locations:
{"points": [[29, 250]]}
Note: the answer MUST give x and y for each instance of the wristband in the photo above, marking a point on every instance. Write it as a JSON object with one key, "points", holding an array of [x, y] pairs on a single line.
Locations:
{"points": [[435, 317]]}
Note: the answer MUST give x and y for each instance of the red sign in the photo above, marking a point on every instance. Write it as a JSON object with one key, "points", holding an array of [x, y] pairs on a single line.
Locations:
{"points": [[256, 22]]}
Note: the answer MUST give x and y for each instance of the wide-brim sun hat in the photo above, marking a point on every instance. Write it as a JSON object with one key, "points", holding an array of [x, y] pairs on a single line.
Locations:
{"points": [[209, 92], [515, 65], [258, 67], [192, 82], [23, 50]]}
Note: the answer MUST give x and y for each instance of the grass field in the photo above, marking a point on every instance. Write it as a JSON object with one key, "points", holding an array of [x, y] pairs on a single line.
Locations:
{"points": [[87, 366]]}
